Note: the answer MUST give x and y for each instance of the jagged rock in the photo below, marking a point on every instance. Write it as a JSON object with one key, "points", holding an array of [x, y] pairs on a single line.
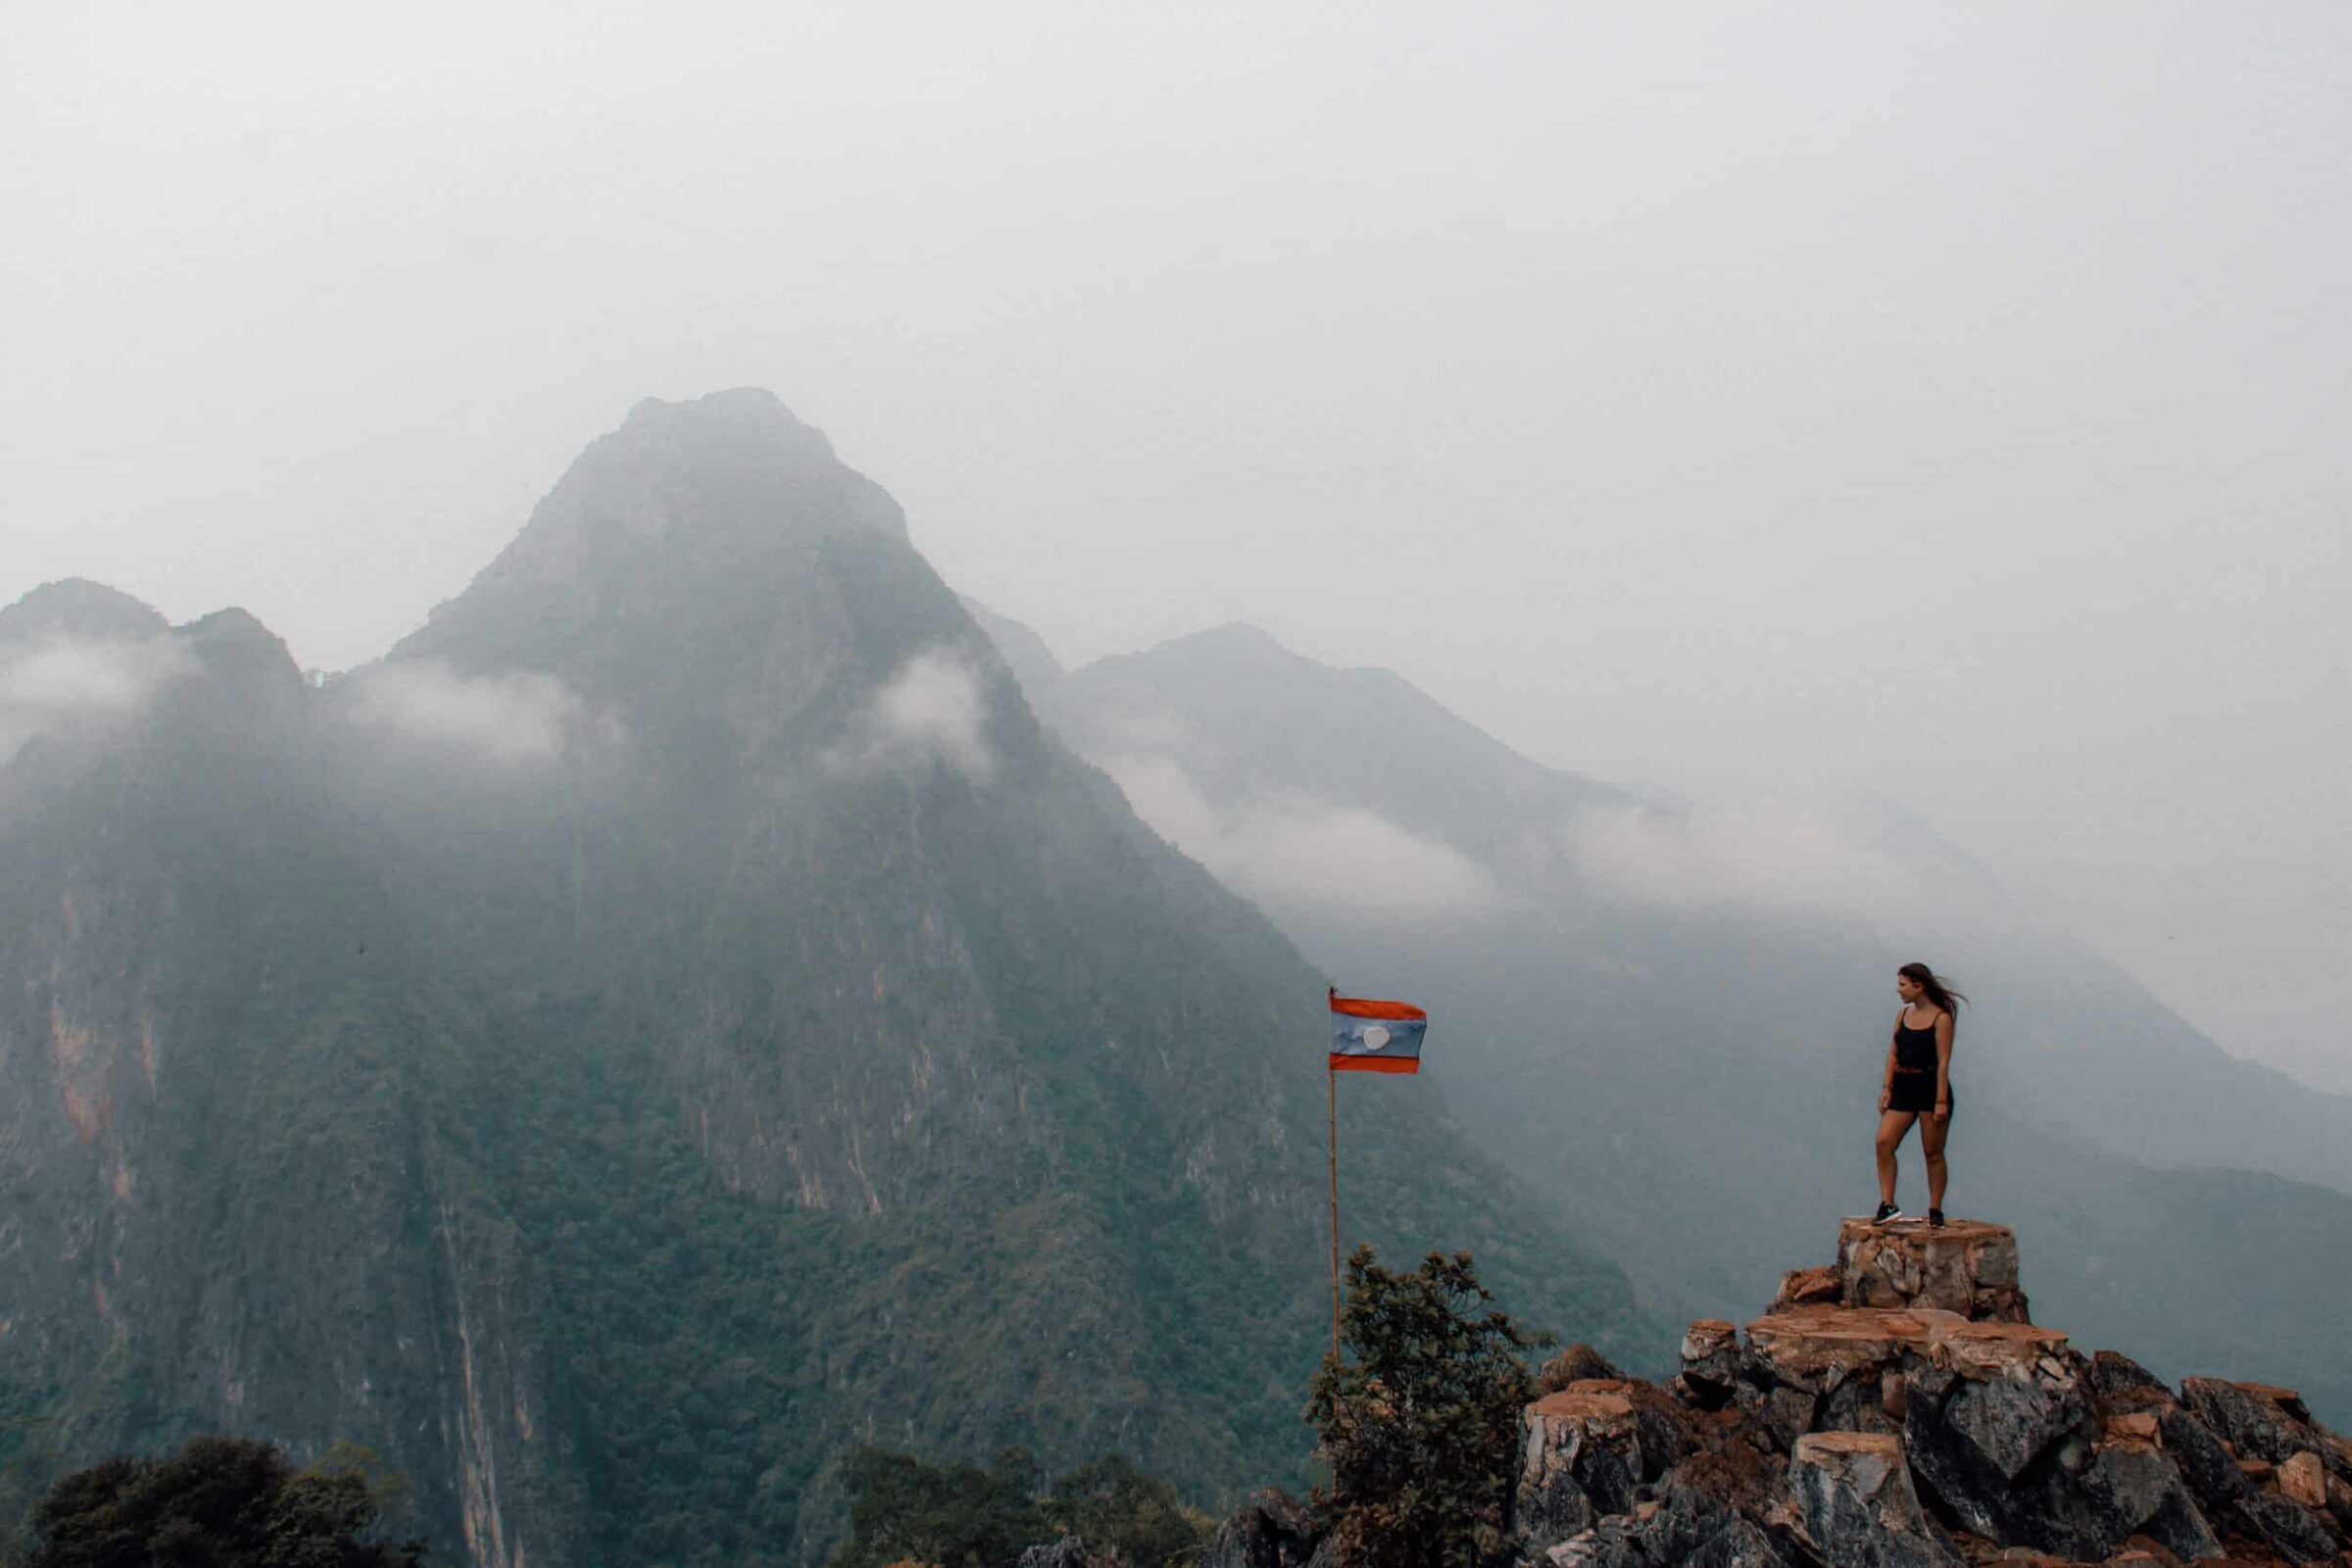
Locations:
{"points": [[1582, 1459], [1967, 1267], [1810, 1287], [1854, 1493], [2262, 1422], [1864, 1404], [2018, 1453], [2212, 1474], [1690, 1527], [2013, 1422], [1579, 1363], [2290, 1530], [1270, 1531], [1711, 1362], [1588, 1449], [2135, 1492], [2122, 1382], [2303, 1480]]}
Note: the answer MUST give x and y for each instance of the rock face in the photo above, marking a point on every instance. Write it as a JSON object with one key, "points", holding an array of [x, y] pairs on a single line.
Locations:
{"points": [[1854, 1495], [1861, 1423]]}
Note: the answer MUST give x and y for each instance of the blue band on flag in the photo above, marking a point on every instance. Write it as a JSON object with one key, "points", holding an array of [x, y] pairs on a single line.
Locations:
{"points": [[1396, 1039]]}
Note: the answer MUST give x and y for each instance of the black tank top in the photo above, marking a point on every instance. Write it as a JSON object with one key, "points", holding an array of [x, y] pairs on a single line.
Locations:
{"points": [[1914, 1049]]}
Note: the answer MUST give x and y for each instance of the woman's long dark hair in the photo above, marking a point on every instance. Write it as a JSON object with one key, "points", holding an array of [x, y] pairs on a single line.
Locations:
{"points": [[1940, 991]]}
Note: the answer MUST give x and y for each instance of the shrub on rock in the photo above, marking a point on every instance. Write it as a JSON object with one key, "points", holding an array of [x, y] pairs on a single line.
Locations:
{"points": [[1421, 1426]]}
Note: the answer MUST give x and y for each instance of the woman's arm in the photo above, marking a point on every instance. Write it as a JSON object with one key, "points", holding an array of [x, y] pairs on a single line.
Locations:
{"points": [[1944, 1064], [1887, 1079]]}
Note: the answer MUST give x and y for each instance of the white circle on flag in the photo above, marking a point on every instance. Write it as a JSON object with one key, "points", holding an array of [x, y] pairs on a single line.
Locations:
{"points": [[1377, 1038]]}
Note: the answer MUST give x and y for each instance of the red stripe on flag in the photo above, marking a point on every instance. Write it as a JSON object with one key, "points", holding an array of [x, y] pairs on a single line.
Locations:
{"points": [[1375, 1065], [1359, 1008]]}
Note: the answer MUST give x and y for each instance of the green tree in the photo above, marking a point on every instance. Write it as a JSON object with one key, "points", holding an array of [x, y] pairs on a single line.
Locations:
{"points": [[1420, 1428], [219, 1502], [1119, 1509], [952, 1516]]}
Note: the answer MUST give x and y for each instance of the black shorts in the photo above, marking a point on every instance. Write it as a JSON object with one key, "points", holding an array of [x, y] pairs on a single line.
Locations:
{"points": [[1915, 1092]]}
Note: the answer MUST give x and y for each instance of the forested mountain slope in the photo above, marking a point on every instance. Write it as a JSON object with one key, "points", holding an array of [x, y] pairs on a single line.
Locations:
{"points": [[677, 1016]]}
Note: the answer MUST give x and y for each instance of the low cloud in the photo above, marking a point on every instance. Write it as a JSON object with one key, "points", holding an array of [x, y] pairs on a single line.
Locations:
{"points": [[1294, 849], [60, 682], [1755, 855], [934, 710], [513, 721]]}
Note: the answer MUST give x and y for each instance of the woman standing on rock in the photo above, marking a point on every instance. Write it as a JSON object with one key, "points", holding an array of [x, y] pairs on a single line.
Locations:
{"points": [[1918, 1084]]}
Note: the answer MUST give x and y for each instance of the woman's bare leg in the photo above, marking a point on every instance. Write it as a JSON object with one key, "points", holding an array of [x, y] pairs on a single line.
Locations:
{"points": [[1932, 1130], [1893, 1125]]}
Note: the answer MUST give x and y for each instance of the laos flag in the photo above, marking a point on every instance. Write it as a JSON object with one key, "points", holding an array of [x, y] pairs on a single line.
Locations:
{"points": [[1375, 1036]]}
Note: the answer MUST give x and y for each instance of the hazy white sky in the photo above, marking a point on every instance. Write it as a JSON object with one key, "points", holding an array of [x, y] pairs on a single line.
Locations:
{"points": [[1948, 400]]}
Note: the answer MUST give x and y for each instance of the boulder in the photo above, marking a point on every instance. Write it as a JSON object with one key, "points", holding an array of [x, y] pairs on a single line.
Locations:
{"points": [[2291, 1529], [1967, 1267], [2134, 1492], [2262, 1422], [1854, 1495], [2011, 1422], [1582, 1459], [1711, 1363], [1809, 1287], [2212, 1476], [2124, 1384], [2013, 1456], [2302, 1479]]}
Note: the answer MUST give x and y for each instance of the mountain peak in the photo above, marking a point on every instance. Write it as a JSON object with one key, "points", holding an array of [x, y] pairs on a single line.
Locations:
{"points": [[235, 640], [1238, 636], [685, 506], [751, 409], [76, 607]]}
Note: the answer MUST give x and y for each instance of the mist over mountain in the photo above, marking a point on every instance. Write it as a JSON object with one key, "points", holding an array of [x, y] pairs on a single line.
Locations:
{"points": [[1670, 1016], [677, 1016]]}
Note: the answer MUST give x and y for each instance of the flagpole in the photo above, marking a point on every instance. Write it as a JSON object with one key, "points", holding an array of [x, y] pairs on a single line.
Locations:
{"points": [[1331, 1077]]}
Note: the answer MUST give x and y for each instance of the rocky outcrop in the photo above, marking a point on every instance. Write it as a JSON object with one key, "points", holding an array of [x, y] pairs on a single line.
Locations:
{"points": [[1967, 1267], [1860, 1423]]}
